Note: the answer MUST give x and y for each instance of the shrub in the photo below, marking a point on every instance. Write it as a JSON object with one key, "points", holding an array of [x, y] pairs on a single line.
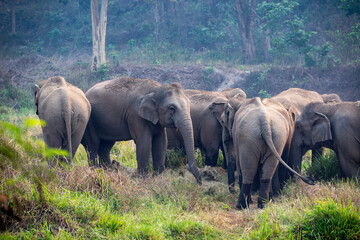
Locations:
{"points": [[331, 220], [325, 167]]}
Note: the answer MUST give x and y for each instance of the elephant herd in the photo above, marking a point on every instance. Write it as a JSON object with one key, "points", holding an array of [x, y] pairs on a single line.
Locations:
{"points": [[254, 134]]}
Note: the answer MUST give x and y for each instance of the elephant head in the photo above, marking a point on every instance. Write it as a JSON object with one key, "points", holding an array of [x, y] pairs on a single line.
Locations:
{"points": [[169, 107], [312, 129]]}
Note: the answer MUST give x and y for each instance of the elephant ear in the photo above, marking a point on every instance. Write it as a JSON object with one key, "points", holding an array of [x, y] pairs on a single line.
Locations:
{"points": [[229, 114], [217, 108], [293, 114], [321, 129], [147, 109], [36, 93]]}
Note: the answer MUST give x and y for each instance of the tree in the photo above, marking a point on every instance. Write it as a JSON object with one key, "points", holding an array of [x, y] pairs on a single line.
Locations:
{"points": [[98, 33], [245, 10]]}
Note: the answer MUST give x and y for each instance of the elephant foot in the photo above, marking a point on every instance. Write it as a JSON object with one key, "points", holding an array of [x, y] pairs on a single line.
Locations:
{"points": [[264, 192], [232, 189], [244, 197]]}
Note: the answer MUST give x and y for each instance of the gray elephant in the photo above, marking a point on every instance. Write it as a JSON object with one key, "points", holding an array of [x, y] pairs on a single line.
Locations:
{"points": [[332, 125], [260, 132], [297, 99], [207, 129], [220, 108], [139, 109], [332, 97], [66, 111]]}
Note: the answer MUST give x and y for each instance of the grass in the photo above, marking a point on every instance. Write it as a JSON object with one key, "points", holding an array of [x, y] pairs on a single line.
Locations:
{"points": [[79, 202]]}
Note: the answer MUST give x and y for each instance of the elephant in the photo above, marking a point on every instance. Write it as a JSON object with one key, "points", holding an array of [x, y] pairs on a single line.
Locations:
{"points": [[219, 108], [207, 129], [66, 111], [140, 109], [332, 97], [297, 99], [332, 125], [260, 132]]}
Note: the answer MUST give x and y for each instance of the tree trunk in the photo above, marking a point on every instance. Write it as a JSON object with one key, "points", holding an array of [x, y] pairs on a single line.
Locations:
{"points": [[246, 15], [98, 33], [267, 44]]}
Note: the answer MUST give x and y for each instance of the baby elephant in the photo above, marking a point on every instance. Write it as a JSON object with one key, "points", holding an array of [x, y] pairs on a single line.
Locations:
{"points": [[66, 111]]}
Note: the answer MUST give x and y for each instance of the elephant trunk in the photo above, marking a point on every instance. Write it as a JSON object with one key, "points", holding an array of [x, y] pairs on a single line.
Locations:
{"points": [[295, 156], [186, 129]]}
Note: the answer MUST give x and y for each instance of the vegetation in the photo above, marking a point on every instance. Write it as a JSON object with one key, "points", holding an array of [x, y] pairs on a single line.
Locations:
{"points": [[68, 202], [39, 39], [297, 32]]}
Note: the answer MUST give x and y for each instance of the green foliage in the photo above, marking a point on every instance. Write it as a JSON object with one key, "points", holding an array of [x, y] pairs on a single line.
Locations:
{"points": [[15, 98], [102, 73], [287, 30], [79, 202], [351, 7], [331, 220], [324, 168]]}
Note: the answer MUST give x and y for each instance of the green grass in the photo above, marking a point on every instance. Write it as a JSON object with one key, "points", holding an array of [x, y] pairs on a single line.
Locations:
{"points": [[79, 202], [331, 220], [325, 167]]}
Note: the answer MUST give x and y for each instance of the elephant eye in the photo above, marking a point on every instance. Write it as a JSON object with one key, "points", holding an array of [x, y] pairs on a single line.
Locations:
{"points": [[172, 108], [314, 123]]}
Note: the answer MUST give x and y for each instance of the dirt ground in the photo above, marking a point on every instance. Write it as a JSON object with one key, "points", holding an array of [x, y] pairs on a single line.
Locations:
{"points": [[23, 72]]}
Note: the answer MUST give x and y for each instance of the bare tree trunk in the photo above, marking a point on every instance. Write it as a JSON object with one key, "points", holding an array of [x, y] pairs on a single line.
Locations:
{"points": [[267, 44], [246, 16], [157, 23], [98, 33], [102, 30]]}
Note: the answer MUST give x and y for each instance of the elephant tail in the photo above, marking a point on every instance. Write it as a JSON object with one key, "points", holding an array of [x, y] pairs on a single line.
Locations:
{"points": [[267, 136], [67, 114]]}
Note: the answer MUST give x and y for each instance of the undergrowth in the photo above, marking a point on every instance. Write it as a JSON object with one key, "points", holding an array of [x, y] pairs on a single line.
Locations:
{"points": [[78, 202]]}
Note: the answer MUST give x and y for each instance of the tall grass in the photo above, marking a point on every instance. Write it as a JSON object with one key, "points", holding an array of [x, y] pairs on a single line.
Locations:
{"points": [[80, 202]]}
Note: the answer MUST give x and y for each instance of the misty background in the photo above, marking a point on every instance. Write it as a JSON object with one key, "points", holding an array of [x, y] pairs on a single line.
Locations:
{"points": [[263, 47]]}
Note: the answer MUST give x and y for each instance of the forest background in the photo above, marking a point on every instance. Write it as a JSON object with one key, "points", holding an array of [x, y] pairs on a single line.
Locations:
{"points": [[262, 46]]}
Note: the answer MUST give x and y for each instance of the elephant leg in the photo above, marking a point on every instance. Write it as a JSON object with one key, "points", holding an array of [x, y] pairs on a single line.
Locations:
{"points": [[275, 189], [159, 143], [53, 140], [91, 143], [211, 157], [76, 139], [349, 160], [225, 162], [244, 196], [231, 168], [256, 182], [230, 160], [264, 192], [248, 166], [104, 153], [143, 151], [267, 173]]}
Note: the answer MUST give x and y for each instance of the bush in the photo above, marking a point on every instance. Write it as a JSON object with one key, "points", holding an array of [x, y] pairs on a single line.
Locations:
{"points": [[325, 167], [331, 220]]}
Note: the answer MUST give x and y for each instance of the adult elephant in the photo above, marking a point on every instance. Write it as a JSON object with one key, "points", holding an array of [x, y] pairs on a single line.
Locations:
{"points": [[332, 125], [260, 131], [139, 109], [66, 111], [297, 99], [207, 129], [224, 111]]}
